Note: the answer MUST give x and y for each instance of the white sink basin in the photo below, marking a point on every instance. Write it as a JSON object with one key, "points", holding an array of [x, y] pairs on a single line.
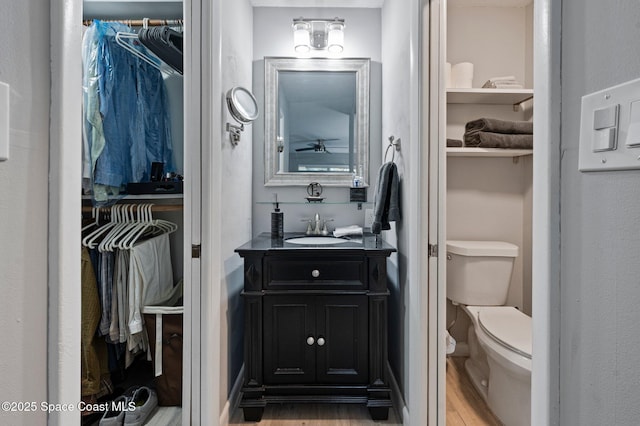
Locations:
{"points": [[316, 241]]}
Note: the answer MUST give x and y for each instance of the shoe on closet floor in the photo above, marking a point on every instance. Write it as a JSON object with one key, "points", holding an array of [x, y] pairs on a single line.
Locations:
{"points": [[146, 401], [114, 416]]}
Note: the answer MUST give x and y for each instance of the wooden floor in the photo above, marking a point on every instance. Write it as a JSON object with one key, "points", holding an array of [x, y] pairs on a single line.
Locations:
{"points": [[315, 415], [465, 406]]}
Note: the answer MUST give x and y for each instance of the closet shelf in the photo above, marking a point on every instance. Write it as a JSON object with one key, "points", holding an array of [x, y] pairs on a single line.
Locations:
{"points": [[149, 197], [156, 208], [346, 203], [487, 152], [489, 96]]}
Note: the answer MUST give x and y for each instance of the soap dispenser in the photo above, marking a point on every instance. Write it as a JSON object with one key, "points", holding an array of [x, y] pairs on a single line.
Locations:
{"points": [[277, 221]]}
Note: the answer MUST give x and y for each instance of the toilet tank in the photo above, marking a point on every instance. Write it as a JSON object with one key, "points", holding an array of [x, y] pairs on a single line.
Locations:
{"points": [[479, 272]]}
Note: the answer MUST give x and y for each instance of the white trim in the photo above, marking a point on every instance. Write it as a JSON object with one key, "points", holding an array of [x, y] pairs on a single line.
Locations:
{"points": [[545, 385], [437, 160], [211, 257], [417, 390], [191, 215], [65, 177], [234, 399]]}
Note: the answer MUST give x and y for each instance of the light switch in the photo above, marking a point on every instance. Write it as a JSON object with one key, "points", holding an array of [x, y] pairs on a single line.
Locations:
{"points": [[633, 136], [606, 117], [604, 140], [5, 90], [610, 128], [605, 128]]}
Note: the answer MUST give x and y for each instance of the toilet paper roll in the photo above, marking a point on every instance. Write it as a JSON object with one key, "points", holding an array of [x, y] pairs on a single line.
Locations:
{"points": [[447, 75], [462, 75]]}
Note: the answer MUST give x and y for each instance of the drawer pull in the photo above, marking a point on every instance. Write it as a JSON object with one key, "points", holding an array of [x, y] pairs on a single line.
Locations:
{"points": [[310, 340], [315, 273], [321, 341]]}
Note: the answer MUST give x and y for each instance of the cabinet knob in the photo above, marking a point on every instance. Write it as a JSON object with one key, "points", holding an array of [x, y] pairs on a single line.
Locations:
{"points": [[321, 341], [315, 273], [310, 340]]}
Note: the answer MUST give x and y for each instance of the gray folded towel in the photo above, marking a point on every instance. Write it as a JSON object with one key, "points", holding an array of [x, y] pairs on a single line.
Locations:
{"points": [[498, 140], [454, 143], [499, 126]]}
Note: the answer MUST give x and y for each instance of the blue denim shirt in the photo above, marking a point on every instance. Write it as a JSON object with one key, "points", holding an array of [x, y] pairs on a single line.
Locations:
{"points": [[134, 113]]}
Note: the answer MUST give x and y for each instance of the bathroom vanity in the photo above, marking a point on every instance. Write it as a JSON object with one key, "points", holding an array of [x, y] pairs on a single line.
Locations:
{"points": [[315, 323]]}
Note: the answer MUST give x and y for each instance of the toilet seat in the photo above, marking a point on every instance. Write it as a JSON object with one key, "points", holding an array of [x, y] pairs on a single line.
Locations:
{"points": [[508, 327], [503, 347]]}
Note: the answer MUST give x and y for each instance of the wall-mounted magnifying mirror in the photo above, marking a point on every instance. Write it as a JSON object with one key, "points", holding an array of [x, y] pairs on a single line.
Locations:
{"points": [[243, 108]]}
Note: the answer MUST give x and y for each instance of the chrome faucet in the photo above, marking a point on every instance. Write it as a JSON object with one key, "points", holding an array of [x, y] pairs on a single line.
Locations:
{"points": [[316, 226]]}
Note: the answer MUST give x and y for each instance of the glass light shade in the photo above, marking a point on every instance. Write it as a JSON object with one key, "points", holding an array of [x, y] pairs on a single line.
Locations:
{"points": [[336, 38], [301, 38]]}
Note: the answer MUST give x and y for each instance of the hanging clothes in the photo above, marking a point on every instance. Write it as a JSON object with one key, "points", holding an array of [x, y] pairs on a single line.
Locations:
{"points": [[127, 122], [95, 377]]}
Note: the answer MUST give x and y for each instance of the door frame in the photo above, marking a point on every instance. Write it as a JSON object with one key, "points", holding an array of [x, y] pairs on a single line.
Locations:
{"points": [[545, 386], [202, 65]]}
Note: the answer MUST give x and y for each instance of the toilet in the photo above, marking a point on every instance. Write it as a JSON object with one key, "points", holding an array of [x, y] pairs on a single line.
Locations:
{"points": [[499, 339]]}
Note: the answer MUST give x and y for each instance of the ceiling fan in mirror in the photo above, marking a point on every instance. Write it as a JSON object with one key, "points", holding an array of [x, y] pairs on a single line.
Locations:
{"points": [[316, 145]]}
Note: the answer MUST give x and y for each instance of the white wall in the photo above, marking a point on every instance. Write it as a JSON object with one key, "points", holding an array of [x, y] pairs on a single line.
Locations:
{"points": [[396, 113], [600, 229], [24, 64], [237, 47], [492, 38], [273, 37]]}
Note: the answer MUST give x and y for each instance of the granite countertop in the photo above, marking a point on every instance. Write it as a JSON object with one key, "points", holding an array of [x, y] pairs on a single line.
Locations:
{"points": [[264, 242]]}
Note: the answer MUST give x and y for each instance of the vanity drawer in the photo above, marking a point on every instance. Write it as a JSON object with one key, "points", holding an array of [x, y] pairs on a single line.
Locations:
{"points": [[346, 272]]}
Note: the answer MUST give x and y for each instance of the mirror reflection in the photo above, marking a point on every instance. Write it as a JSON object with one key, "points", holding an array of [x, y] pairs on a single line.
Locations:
{"points": [[316, 123], [316, 120]]}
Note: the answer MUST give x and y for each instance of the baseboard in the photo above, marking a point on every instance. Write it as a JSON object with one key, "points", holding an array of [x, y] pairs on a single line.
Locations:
{"points": [[405, 416], [233, 400], [396, 396]]}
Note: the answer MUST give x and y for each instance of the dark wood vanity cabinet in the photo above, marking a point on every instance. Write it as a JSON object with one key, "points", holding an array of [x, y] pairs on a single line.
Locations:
{"points": [[315, 324]]}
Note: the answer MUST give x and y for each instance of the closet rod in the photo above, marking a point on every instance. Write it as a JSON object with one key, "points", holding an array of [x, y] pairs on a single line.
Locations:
{"points": [[155, 208], [140, 22]]}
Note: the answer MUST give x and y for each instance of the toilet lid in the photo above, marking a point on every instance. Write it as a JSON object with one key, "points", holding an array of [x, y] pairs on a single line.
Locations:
{"points": [[509, 327]]}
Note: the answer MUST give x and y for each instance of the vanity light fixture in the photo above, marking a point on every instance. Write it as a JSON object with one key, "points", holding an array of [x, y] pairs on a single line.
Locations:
{"points": [[318, 34]]}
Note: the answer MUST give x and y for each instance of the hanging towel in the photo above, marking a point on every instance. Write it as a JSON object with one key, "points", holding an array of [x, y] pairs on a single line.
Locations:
{"points": [[386, 207], [499, 126]]}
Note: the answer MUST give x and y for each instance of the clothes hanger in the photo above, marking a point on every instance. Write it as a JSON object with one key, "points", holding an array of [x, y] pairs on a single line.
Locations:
{"points": [[122, 40], [91, 240], [95, 214], [156, 226], [122, 218]]}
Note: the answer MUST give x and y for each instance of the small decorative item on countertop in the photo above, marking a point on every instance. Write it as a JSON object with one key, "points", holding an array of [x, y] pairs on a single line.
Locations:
{"points": [[314, 189], [277, 221]]}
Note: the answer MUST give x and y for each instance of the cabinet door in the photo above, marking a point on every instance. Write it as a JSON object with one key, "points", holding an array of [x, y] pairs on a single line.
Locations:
{"points": [[289, 339], [342, 339]]}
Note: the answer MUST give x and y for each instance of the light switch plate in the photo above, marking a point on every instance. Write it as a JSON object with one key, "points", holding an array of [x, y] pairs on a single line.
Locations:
{"points": [[5, 91], [605, 149]]}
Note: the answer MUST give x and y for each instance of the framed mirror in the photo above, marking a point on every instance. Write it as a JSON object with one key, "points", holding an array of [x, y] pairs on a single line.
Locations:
{"points": [[316, 121]]}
